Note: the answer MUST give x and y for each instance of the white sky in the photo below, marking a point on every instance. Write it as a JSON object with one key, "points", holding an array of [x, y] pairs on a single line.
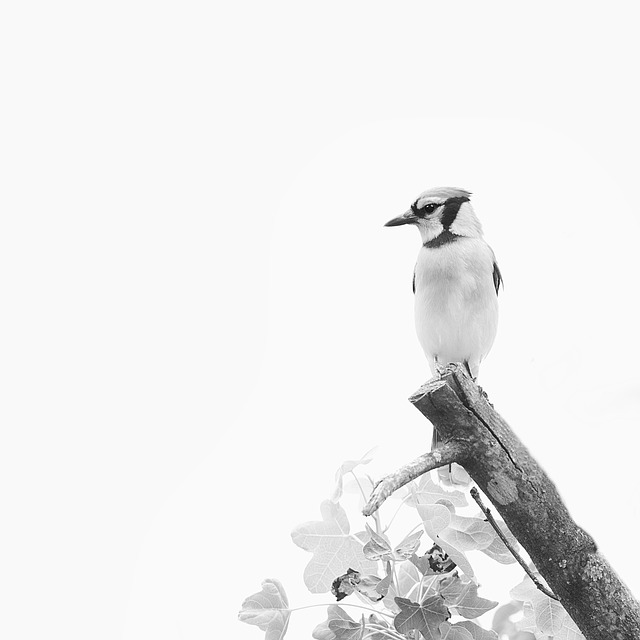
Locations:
{"points": [[202, 314]]}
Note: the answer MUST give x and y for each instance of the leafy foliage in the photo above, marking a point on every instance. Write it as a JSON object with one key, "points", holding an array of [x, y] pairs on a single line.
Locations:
{"points": [[334, 550], [268, 609], [408, 593], [543, 617]]}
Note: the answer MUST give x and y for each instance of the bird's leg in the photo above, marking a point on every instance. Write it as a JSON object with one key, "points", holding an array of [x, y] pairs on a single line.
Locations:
{"points": [[466, 364], [440, 369]]}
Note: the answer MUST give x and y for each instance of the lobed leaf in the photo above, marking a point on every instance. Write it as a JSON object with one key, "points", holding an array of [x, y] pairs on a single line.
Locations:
{"points": [[334, 550], [268, 609], [425, 617], [340, 626], [462, 595]]}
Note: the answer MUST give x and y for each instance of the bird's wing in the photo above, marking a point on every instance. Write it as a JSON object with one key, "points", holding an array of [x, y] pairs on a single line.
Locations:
{"points": [[414, 281], [497, 277]]}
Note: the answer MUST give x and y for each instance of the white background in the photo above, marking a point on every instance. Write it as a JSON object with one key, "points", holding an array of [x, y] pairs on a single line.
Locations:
{"points": [[202, 315]]}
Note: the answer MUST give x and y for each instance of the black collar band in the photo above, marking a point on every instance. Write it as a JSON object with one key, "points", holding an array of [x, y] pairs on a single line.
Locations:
{"points": [[446, 237]]}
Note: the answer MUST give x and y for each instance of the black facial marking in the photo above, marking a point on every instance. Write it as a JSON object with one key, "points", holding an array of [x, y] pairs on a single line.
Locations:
{"points": [[423, 211], [451, 208], [497, 277], [444, 238]]}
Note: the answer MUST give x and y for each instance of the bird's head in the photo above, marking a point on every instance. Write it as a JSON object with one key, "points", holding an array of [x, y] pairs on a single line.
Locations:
{"points": [[441, 209]]}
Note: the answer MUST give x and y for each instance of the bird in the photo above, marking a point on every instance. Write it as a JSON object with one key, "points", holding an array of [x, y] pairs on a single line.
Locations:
{"points": [[456, 280]]}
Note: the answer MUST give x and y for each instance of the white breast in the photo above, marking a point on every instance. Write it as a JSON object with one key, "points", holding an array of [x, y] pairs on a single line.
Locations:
{"points": [[456, 306]]}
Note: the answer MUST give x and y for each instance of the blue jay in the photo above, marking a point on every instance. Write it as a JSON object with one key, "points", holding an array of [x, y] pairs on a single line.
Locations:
{"points": [[455, 282]]}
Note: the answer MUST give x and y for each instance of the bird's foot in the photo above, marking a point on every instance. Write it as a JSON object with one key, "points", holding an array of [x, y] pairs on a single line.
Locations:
{"points": [[441, 369]]}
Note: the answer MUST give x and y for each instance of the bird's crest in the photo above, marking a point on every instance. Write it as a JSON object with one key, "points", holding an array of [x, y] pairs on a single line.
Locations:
{"points": [[444, 193]]}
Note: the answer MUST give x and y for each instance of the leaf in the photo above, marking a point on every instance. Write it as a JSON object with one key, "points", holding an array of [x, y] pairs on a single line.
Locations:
{"points": [[470, 605], [408, 546], [340, 626], [346, 467], [569, 630], [527, 623], [345, 584], [549, 614], [378, 547], [469, 533], [454, 632], [406, 584], [426, 491], [476, 631], [465, 534], [334, 550], [543, 616], [384, 584], [433, 562], [462, 595], [457, 477], [525, 590], [425, 617], [497, 550], [502, 622], [435, 518], [458, 557], [268, 609]]}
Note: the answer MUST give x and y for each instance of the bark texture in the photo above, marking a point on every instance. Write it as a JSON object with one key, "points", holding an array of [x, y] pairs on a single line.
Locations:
{"points": [[566, 555]]}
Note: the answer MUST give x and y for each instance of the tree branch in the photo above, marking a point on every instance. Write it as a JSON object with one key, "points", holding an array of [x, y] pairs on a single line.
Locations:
{"points": [[565, 555], [475, 494], [444, 455]]}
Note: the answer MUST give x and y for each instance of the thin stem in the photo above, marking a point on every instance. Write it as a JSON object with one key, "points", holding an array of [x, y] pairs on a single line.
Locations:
{"points": [[342, 604], [491, 520], [393, 517], [364, 497], [377, 629]]}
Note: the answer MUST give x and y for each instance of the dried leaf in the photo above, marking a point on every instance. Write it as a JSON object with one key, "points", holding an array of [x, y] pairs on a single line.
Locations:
{"points": [[268, 609], [345, 584]]}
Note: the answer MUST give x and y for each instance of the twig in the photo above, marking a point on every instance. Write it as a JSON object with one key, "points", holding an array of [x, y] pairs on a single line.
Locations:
{"points": [[491, 520], [443, 455]]}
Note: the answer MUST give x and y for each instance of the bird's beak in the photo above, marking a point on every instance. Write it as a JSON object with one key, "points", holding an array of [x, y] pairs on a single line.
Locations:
{"points": [[408, 217]]}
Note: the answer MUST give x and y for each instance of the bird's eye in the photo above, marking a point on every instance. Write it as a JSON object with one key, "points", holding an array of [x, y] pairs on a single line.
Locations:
{"points": [[423, 211]]}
